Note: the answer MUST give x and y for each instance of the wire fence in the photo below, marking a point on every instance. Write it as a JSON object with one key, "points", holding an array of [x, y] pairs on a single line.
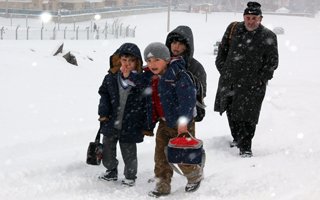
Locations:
{"points": [[114, 30]]}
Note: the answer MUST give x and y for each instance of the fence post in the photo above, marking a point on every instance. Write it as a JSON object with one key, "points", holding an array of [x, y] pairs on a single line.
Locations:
{"points": [[59, 21], [28, 32], [77, 32], [54, 33], [121, 29], [88, 32], [113, 28], [127, 31], [10, 19], [41, 33], [106, 31], [91, 25], [26, 20], [116, 34], [64, 33], [74, 24], [97, 37], [17, 32], [134, 32], [1, 35]]}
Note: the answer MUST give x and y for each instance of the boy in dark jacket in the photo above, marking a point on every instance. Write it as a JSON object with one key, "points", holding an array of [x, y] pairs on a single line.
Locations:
{"points": [[122, 114], [180, 43], [171, 102]]}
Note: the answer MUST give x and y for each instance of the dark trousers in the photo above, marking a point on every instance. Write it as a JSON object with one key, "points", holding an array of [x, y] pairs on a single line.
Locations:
{"points": [[242, 132], [128, 152]]}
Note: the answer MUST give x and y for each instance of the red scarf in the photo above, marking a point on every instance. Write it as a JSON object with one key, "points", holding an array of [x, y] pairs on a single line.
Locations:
{"points": [[157, 111]]}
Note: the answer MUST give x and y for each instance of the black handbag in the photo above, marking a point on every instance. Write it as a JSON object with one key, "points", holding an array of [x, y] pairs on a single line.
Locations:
{"points": [[94, 153]]}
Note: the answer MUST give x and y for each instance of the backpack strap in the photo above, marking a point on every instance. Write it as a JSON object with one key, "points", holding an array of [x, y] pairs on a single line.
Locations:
{"points": [[233, 27], [198, 86]]}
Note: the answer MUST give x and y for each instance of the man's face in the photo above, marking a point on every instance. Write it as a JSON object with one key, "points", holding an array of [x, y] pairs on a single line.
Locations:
{"points": [[157, 65], [252, 22], [178, 48]]}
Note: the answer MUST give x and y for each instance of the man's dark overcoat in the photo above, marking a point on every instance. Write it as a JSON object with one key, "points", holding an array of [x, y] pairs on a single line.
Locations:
{"points": [[245, 62]]}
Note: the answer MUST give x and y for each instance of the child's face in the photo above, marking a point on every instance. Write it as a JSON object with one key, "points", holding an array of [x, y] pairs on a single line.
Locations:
{"points": [[128, 63], [178, 48], [157, 65]]}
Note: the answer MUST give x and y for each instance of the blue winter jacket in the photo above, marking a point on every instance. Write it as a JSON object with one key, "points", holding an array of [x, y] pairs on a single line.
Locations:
{"points": [[134, 113], [177, 93]]}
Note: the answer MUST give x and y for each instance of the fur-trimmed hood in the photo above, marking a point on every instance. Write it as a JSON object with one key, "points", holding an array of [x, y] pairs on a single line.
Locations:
{"points": [[125, 49]]}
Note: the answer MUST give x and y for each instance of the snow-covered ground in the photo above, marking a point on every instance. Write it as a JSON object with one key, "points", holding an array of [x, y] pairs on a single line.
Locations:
{"points": [[48, 116]]}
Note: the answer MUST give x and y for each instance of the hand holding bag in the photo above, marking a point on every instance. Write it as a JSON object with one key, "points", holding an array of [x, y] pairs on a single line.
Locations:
{"points": [[94, 152]]}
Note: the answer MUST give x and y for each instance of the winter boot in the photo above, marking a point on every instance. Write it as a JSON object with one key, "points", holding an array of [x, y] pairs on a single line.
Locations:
{"points": [[234, 143], [128, 182], [156, 194], [192, 187], [245, 153], [162, 189], [110, 175]]}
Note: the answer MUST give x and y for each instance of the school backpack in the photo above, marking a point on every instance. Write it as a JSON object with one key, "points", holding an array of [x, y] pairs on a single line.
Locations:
{"points": [[200, 106]]}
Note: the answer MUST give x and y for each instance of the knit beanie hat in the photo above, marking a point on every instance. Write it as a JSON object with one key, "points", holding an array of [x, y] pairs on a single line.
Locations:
{"points": [[157, 50], [253, 8]]}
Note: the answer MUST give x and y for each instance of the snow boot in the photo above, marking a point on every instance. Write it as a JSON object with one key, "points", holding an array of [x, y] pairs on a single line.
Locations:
{"points": [[156, 194], [110, 175], [245, 153], [234, 143], [162, 188], [192, 187], [128, 182]]}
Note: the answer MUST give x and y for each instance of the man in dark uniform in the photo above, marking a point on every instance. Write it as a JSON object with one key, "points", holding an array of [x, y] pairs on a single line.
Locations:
{"points": [[246, 60]]}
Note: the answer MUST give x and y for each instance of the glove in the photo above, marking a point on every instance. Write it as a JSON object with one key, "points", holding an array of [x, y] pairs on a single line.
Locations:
{"points": [[103, 119], [147, 133], [201, 112]]}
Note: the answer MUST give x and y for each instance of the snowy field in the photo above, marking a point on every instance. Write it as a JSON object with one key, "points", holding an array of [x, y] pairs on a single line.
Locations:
{"points": [[48, 116]]}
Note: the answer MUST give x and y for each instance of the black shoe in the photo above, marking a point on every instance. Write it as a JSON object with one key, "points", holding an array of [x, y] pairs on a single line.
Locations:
{"points": [[156, 194], [245, 153], [110, 175], [234, 143], [192, 187], [128, 182]]}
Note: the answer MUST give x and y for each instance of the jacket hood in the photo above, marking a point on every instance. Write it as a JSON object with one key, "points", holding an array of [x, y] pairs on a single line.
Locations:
{"points": [[125, 49], [184, 33]]}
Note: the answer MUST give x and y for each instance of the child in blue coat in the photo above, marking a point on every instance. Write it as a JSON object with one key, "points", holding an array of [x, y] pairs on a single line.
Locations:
{"points": [[122, 115], [171, 102]]}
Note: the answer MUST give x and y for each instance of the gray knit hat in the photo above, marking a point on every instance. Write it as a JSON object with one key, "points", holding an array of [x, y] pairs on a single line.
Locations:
{"points": [[157, 50]]}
